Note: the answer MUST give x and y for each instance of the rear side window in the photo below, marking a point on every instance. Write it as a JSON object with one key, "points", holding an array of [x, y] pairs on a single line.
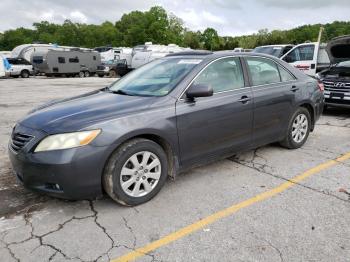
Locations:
{"points": [[61, 60], [262, 71], [74, 60], [222, 75], [285, 75]]}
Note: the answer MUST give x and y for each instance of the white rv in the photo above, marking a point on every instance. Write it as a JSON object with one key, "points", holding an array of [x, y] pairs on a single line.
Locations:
{"points": [[149, 52]]}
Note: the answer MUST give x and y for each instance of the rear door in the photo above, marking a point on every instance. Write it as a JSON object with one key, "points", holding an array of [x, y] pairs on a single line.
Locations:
{"points": [[303, 57], [275, 91], [211, 126]]}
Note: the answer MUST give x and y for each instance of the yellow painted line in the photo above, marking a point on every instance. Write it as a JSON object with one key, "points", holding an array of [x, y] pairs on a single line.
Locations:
{"points": [[228, 211]]}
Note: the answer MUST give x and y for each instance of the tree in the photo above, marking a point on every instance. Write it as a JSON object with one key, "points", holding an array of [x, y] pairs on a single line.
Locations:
{"points": [[210, 39]]}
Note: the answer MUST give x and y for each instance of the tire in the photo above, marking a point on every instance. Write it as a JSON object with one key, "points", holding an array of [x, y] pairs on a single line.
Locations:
{"points": [[112, 74], [25, 74], [86, 73], [297, 126], [114, 176], [81, 74]]}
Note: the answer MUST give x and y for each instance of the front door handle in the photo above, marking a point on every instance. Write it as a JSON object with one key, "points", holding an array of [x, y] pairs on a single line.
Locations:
{"points": [[244, 99], [294, 88]]}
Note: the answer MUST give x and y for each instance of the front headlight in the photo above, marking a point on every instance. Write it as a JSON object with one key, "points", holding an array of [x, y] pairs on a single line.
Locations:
{"points": [[67, 140]]}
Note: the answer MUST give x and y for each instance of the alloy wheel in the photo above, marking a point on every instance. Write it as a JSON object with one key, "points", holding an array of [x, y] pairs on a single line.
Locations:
{"points": [[140, 174], [299, 128]]}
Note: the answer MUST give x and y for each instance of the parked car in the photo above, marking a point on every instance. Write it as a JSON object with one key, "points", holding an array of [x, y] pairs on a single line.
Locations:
{"points": [[336, 78], [174, 113], [68, 62], [116, 68], [310, 58], [274, 50], [20, 68]]}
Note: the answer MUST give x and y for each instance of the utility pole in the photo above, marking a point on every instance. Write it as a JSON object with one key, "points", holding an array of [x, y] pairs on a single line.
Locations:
{"points": [[320, 34]]}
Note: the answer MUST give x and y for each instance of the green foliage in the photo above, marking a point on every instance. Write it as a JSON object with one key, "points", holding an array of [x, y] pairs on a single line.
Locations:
{"points": [[158, 26]]}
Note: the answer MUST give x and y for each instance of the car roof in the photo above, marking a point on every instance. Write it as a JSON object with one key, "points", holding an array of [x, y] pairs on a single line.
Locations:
{"points": [[202, 54]]}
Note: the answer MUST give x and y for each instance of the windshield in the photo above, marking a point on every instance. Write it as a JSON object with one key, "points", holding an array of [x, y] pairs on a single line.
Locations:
{"points": [[344, 64], [270, 50], [157, 78]]}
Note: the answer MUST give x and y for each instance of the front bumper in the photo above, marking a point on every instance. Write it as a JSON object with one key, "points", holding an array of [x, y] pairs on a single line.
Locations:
{"points": [[71, 174]]}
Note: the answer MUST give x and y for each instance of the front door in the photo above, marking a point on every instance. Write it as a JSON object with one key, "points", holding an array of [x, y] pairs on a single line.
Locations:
{"points": [[211, 126]]}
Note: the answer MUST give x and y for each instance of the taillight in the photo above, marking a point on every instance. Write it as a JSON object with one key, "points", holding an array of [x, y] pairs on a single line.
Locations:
{"points": [[320, 85]]}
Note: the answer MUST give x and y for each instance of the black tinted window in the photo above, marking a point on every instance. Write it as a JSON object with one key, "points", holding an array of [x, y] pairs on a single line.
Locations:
{"points": [[38, 59], [222, 75], [263, 71], [61, 60], [74, 60]]}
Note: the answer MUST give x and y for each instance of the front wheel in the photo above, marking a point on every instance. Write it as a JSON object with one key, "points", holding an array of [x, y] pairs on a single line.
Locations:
{"points": [[298, 129], [136, 172]]}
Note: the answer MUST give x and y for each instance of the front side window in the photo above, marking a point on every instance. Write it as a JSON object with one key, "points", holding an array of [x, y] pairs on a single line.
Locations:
{"points": [[156, 78], [262, 71], [301, 53], [222, 75], [61, 60]]}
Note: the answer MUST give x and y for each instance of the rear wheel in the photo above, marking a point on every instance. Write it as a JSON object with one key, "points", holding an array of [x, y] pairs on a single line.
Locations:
{"points": [[24, 73], [136, 172], [81, 74], [87, 74], [298, 129]]}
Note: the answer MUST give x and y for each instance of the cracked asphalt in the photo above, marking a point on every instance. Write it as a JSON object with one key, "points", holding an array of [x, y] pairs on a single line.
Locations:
{"points": [[308, 222]]}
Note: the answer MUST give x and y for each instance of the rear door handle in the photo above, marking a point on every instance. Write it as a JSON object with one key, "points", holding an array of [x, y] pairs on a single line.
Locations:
{"points": [[244, 99], [294, 88]]}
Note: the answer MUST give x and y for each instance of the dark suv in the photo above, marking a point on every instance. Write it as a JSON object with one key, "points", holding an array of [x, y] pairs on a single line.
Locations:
{"points": [[172, 114]]}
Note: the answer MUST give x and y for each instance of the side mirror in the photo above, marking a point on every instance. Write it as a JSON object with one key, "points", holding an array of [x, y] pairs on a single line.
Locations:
{"points": [[199, 90]]}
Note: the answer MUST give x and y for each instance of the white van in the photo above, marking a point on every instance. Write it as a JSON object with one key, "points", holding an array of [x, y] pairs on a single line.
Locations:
{"points": [[311, 58]]}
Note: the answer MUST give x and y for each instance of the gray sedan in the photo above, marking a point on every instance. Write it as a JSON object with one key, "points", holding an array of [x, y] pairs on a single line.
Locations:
{"points": [[172, 114]]}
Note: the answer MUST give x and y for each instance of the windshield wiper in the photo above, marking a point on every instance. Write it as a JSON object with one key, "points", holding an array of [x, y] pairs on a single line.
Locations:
{"points": [[121, 92]]}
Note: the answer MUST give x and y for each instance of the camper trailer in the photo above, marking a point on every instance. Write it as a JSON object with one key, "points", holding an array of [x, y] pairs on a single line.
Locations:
{"points": [[26, 51], [69, 62]]}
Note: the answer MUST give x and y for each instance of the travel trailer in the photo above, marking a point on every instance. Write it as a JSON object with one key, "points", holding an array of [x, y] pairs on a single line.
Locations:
{"points": [[26, 51], [69, 62]]}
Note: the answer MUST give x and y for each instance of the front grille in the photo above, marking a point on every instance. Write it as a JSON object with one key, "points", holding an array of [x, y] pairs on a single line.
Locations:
{"points": [[19, 140], [336, 86]]}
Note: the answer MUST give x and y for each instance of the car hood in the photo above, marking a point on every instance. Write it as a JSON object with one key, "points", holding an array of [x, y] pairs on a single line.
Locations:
{"points": [[78, 112], [338, 49]]}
